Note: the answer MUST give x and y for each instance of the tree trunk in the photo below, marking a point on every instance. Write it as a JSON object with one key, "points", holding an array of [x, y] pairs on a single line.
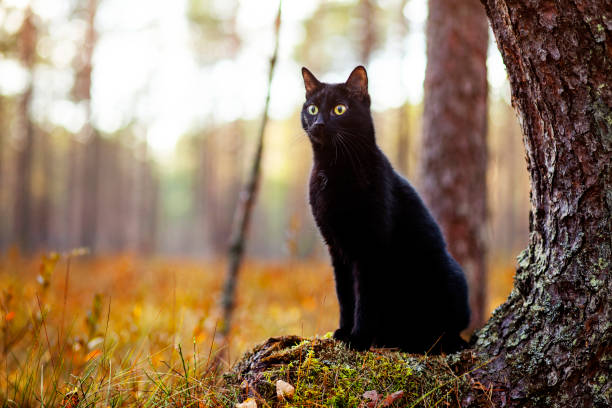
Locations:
{"points": [[367, 42], [552, 338], [22, 227], [403, 112], [147, 205], [42, 218], [454, 155], [245, 206], [91, 138], [90, 180], [4, 216]]}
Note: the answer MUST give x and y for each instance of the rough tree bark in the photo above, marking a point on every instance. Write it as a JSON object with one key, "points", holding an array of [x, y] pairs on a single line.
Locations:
{"points": [[552, 338], [454, 154]]}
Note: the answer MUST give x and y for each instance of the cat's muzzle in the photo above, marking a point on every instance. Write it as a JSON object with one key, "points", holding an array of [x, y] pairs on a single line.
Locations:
{"points": [[317, 132]]}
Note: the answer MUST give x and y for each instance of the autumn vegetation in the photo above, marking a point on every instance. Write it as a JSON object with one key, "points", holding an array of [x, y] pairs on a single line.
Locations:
{"points": [[153, 342]]}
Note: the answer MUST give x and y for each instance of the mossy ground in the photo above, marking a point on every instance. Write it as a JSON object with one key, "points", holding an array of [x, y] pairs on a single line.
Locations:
{"points": [[325, 373]]}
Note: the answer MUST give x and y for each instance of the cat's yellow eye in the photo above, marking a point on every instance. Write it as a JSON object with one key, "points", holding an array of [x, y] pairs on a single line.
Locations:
{"points": [[312, 109], [340, 109]]}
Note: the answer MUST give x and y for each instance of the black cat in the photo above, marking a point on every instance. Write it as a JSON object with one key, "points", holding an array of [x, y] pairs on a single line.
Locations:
{"points": [[396, 283]]}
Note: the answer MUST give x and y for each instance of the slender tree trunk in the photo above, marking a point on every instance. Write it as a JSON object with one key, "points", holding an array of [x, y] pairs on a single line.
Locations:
{"points": [[3, 209], [90, 180], [367, 11], [245, 206], [42, 230], [91, 138], [454, 155], [198, 189], [122, 188], [23, 195], [147, 204], [403, 138], [552, 338], [72, 198], [22, 227], [403, 121]]}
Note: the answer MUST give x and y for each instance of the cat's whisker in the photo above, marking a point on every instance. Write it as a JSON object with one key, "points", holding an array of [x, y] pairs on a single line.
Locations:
{"points": [[353, 157], [356, 139], [355, 143], [297, 139], [352, 150], [335, 143]]}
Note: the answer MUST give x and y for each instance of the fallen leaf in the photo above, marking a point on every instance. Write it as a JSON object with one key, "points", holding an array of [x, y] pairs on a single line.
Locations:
{"points": [[247, 403], [373, 396], [391, 398], [9, 316], [284, 390]]}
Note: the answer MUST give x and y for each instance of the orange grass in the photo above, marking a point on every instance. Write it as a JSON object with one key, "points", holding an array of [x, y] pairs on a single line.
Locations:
{"points": [[122, 330]]}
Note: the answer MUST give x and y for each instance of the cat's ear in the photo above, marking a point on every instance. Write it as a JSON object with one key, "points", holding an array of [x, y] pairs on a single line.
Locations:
{"points": [[310, 82], [358, 81]]}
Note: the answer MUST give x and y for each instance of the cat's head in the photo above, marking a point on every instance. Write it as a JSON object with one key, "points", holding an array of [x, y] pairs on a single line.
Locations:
{"points": [[337, 111]]}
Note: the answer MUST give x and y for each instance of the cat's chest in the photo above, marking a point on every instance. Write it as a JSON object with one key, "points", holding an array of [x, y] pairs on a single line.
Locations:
{"points": [[335, 199]]}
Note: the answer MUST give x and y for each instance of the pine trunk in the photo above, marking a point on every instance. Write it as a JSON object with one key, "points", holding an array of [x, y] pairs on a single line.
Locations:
{"points": [[89, 135], [551, 340], [22, 226], [454, 154]]}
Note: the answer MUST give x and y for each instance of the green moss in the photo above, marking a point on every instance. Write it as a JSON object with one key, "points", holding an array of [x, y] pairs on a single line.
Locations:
{"points": [[325, 373]]}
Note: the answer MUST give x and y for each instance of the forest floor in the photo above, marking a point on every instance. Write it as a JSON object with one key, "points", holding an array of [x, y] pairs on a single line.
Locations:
{"points": [[126, 331]]}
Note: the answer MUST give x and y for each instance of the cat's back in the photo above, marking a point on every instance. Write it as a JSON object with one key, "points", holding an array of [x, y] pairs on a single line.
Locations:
{"points": [[414, 224]]}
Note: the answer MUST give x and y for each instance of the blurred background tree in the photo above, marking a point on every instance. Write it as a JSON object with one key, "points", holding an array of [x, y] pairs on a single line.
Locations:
{"points": [[454, 155], [126, 127], [23, 210]]}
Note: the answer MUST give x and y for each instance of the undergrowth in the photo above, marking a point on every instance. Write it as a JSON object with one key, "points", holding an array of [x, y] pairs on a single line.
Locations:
{"points": [[325, 373], [79, 331]]}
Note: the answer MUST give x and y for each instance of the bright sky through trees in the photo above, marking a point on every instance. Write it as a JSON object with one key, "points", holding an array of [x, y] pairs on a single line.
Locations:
{"points": [[146, 68]]}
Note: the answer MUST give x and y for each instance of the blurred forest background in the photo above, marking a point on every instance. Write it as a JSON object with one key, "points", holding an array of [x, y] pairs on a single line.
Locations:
{"points": [[129, 126]]}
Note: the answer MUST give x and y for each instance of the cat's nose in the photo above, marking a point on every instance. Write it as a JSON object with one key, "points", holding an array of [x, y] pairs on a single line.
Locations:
{"points": [[318, 125]]}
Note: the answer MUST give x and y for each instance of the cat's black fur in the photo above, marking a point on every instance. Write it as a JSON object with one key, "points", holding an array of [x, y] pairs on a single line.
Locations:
{"points": [[396, 283]]}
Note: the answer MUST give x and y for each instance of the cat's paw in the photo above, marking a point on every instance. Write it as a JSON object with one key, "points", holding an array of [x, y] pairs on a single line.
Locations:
{"points": [[342, 335], [359, 341]]}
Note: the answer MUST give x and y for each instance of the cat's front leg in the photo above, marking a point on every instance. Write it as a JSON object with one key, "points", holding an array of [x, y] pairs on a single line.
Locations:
{"points": [[362, 334], [344, 289]]}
